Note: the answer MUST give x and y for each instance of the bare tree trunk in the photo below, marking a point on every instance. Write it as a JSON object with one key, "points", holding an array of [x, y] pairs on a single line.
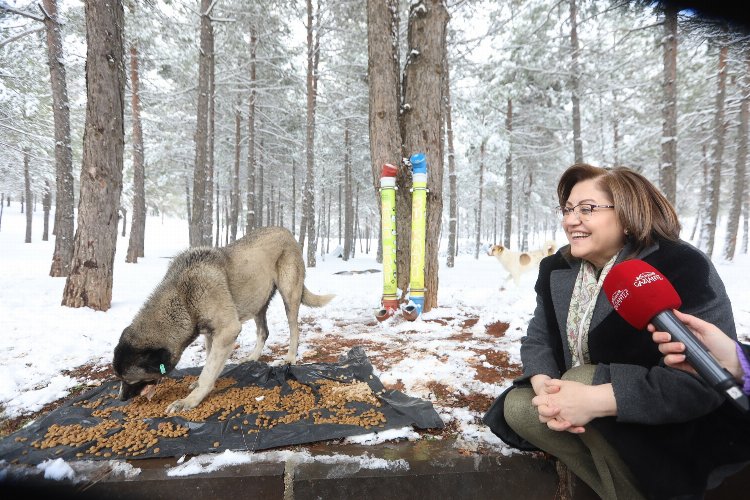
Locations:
{"points": [[738, 188], [2, 204], [208, 210], [226, 220], [703, 200], [251, 222], [64, 218], [616, 140], [47, 206], [294, 196], [508, 221], [356, 222], [668, 167], [494, 220], [138, 225], [260, 190], [313, 56], [27, 196], [187, 200], [713, 193], [201, 167], [452, 187], [217, 241], [527, 184], [422, 122], [123, 215], [745, 222], [321, 215], [575, 83], [385, 92], [478, 228], [89, 283], [328, 224], [234, 196], [348, 205]]}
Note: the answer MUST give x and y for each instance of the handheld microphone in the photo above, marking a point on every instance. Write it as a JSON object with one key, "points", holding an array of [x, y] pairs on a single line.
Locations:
{"points": [[641, 294]]}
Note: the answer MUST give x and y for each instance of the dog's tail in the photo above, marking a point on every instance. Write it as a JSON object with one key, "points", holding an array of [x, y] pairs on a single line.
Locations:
{"points": [[313, 300]]}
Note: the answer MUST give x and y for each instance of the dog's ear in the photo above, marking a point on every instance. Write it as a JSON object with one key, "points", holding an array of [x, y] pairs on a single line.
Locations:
{"points": [[124, 356]]}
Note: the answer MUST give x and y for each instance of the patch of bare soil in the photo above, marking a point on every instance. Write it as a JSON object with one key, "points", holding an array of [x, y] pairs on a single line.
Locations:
{"points": [[447, 397], [500, 367], [497, 329]]}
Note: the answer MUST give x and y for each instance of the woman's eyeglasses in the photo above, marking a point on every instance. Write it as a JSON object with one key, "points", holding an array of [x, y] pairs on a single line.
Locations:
{"points": [[582, 211]]}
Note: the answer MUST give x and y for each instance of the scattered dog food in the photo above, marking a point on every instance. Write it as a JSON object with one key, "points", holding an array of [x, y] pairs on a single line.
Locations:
{"points": [[128, 430]]}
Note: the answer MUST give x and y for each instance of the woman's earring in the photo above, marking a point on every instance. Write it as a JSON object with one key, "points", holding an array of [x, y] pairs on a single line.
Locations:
{"points": [[627, 232]]}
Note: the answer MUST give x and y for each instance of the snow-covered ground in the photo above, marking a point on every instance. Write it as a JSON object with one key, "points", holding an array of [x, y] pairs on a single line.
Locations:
{"points": [[447, 348]]}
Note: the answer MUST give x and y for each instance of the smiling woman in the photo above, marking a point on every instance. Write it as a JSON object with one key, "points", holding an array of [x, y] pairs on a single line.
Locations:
{"points": [[588, 376]]}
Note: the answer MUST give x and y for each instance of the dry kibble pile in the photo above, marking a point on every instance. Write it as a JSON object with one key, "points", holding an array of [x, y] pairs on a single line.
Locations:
{"points": [[125, 432]]}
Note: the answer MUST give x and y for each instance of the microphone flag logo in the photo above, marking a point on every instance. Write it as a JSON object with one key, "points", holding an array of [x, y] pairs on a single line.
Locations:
{"points": [[647, 277], [618, 297]]}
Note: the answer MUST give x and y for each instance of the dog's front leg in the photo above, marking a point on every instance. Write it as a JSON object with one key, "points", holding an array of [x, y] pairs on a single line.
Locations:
{"points": [[221, 348], [207, 342]]}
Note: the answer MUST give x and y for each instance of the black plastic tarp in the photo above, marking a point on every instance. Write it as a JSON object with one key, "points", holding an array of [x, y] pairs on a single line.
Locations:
{"points": [[399, 409]]}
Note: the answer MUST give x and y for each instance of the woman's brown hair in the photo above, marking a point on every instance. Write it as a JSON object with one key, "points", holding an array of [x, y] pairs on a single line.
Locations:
{"points": [[644, 212]]}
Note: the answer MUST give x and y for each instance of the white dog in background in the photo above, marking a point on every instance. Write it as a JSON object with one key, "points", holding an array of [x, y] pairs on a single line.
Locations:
{"points": [[517, 263]]}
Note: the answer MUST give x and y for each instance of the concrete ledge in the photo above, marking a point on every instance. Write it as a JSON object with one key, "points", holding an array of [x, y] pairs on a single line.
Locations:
{"points": [[436, 469]]}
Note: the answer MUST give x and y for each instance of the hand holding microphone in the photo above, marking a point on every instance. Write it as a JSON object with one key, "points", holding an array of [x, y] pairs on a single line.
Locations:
{"points": [[641, 294], [718, 343]]}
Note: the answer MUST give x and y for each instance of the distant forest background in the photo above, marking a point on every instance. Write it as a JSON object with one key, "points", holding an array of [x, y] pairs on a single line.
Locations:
{"points": [[241, 114]]}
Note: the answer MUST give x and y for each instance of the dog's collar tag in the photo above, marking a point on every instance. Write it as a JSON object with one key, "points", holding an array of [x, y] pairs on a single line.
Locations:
{"points": [[162, 369]]}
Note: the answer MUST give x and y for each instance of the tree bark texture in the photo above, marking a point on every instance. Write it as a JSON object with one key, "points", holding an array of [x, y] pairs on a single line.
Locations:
{"points": [[508, 219], [123, 215], [385, 91], [138, 224], [189, 212], [452, 185], [208, 210], [575, 83], [89, 283], [46, 206], [64, 219], [348, 198], [525, 225], [251, 202], [745, 221], [713, 192], [260, 194], [294, 196], [234, 197], [478, 227], [200, 169], [668, 167], [422, 123], [27, 195], [738, 187], [312, 90]]}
